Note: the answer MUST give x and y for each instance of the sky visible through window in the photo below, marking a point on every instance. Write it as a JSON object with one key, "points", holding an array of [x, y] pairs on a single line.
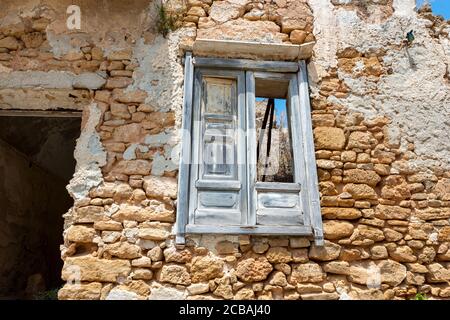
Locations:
{"points": [[440, 7], [280, 107]]}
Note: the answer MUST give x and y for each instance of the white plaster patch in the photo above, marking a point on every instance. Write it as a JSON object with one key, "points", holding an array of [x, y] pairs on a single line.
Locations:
{"points": [[156, 140], [146, 244], [433, 237], [84, 178], [161, 75], [358, 67], [210, 241], [404, 7], [344, 296], [166, 293], [131, 234], [325, 33], [393, 135], [173, 157], [60, 44], [160, 72], [90, 156], [118, 294], [415, 95], [158, 165], [130, 153], [112, 209], [161, 139], [143, 149]]}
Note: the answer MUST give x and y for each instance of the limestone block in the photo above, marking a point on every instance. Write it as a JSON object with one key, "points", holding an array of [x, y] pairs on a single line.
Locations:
{"points": [[329, 138], [90, 268]]}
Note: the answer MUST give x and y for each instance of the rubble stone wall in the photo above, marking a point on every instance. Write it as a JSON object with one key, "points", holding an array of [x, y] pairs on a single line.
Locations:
{"points": [[380, 116]]}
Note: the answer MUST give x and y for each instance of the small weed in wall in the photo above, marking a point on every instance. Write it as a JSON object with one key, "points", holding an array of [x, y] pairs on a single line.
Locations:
{"points": [[420, 296], [165, 21], [168, 19]]}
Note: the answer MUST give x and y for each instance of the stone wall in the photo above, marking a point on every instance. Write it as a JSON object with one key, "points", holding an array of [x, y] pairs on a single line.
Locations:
{"points": [[379, 116]]}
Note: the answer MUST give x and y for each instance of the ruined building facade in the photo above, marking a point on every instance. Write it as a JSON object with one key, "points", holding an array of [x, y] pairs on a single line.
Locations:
{"points": [[380, 107]]}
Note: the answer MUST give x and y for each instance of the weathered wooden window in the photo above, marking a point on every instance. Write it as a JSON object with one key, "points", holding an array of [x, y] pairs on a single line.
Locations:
{"points": [[247, 158]]}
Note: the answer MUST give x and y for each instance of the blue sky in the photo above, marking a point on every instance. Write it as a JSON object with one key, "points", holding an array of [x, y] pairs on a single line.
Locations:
{"points": [[280, 108], [440, 7]]}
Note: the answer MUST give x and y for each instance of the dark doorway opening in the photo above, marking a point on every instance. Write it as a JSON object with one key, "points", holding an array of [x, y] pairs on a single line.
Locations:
{"points": [[36, 164]]}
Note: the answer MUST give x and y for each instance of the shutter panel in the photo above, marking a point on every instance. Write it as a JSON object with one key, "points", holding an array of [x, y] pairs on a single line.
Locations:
{"points": [[311, 191], [218, 192]]}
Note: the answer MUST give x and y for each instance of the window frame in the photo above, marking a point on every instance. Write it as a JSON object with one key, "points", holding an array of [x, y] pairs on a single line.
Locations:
{"points": [[303, 147]]}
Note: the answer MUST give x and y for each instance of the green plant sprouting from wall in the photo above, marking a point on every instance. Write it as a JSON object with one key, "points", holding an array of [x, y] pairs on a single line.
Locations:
{"points": [[420, 296], [165, 22], [168, 18]]}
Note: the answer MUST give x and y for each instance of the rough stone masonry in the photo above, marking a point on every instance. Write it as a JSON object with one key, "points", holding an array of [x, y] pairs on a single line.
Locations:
{"points": [[380, 113]]}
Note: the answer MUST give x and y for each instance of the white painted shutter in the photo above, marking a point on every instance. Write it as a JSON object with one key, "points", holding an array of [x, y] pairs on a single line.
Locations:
{"points": [[218, 181]]}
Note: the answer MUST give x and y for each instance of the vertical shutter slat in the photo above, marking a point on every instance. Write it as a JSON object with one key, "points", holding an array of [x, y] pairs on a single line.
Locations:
{"points": [[185, 154], [310, 158]]}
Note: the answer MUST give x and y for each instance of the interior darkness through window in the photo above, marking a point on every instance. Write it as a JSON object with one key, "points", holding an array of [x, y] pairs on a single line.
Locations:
{"points": [[36, 164]]}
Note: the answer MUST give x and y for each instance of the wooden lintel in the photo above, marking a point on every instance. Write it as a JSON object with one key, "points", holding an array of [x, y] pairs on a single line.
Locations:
{"points": [[40, 113]]}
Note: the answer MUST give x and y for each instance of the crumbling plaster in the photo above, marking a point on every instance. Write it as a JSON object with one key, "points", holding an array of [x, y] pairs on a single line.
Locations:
{"points": [[90, 156], [414, 95], [160, 74], [99, 22]]}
